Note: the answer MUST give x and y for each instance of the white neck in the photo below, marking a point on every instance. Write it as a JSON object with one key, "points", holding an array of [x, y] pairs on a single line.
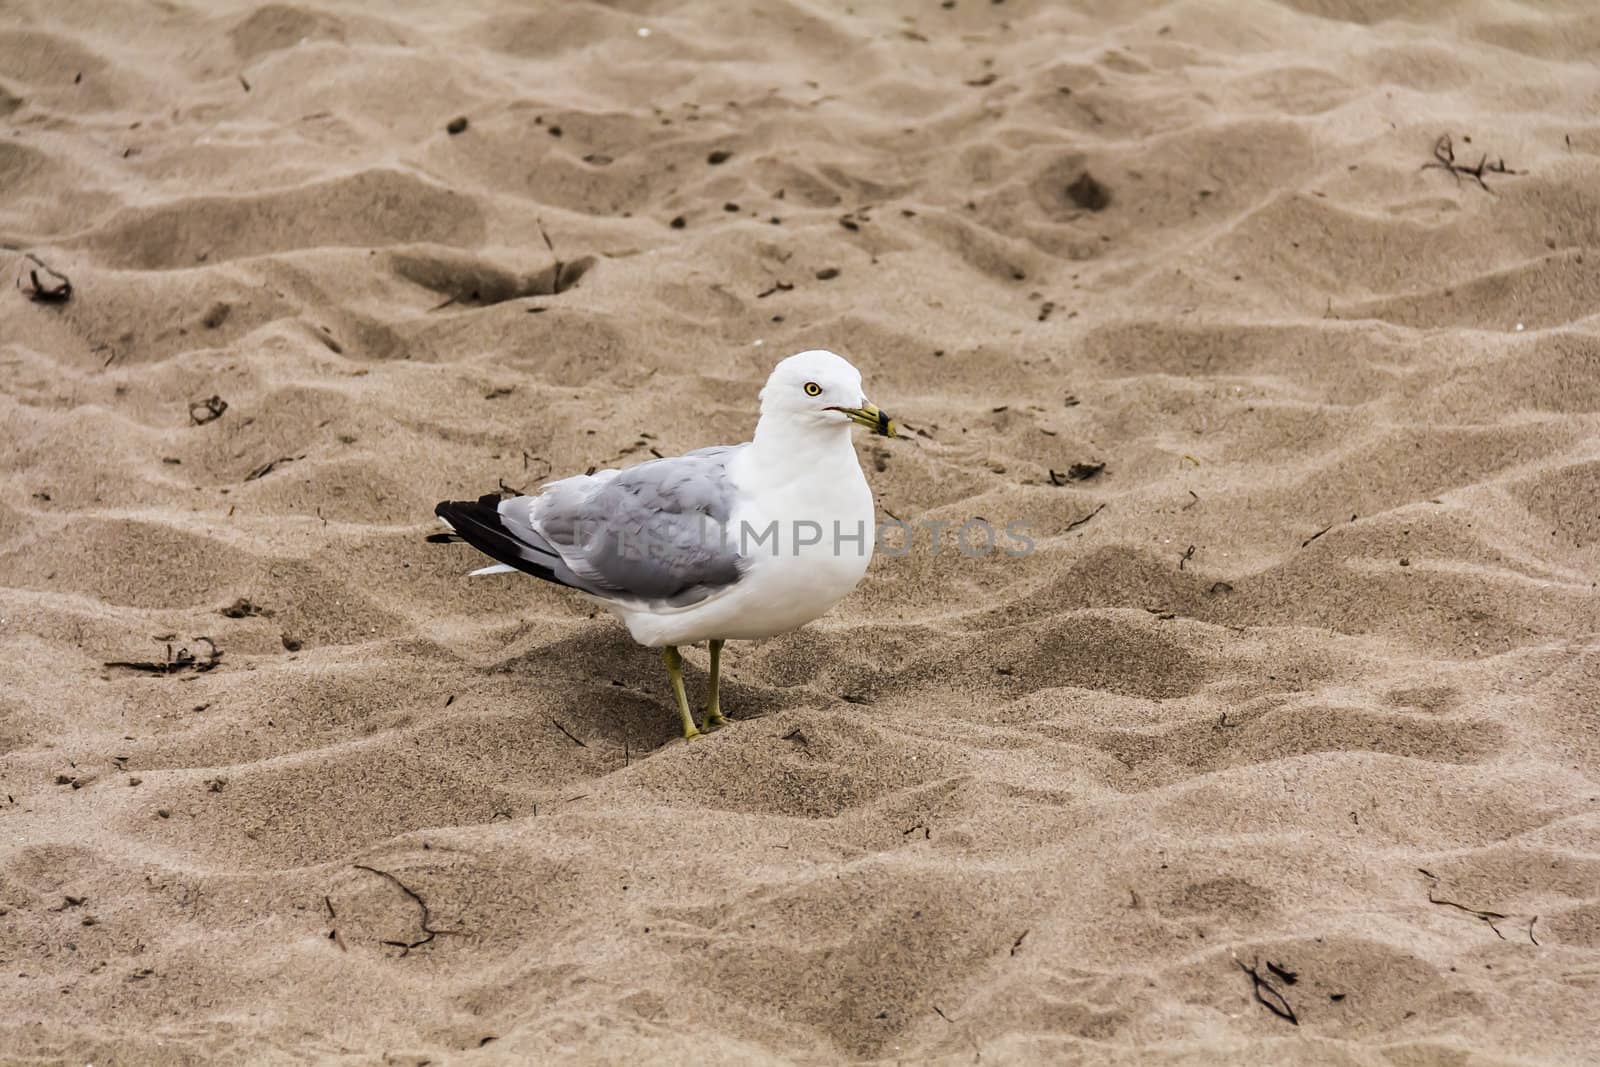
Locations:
{"points": [[790, 449]]}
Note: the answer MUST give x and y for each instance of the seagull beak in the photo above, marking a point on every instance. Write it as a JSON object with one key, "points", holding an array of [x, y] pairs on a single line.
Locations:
{"points": [[869, 415]]}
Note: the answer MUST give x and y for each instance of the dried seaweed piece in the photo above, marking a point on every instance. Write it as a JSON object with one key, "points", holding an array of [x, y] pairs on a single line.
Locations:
{"points": [[570, 736], [1444, 158], [270, 466], [182, 660], [1487, 917], [208, 410], [1074, 524], [1270, 996], [426, 922], [56, 288]]}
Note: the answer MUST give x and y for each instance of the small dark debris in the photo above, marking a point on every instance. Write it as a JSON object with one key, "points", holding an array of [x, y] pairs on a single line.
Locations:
{"points": [[456, 125], [1487, 917], [499, 391], [1316, 535], [270, 466], [1219, 589], [678, 223], [570, 736], [1074, 524], [163, 813], [555, 131], [216, 785], [730, 207], [1269, 995], [1089, 193], [1188, 554], [1082, 472], [849, 223], [425, 922], [208, 410], [721, 155], [827, 274], [598, 159], [798, 737], [1289, 977], [1405, 561], [1444, 158], [216, 315], [854, 698], [1045, 309], [56, 288], [244, 608], [988, 79], [182, 660], [1336, 997], [291, 644], [1016, 946], [775, 287]]}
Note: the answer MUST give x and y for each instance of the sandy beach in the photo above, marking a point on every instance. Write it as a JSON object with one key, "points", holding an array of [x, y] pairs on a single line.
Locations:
{"points": [[1277, 324]]}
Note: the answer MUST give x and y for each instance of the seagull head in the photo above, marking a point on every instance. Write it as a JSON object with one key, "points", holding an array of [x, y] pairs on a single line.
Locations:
{"points": [[821, 388]]}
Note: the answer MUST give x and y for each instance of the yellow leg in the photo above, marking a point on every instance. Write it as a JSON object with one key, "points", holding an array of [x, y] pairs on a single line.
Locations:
{"points": [[675, 671], [714, 716]]}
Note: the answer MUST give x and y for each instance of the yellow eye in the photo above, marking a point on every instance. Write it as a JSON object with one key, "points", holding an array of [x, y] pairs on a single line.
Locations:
{"points": [[813, 389]]}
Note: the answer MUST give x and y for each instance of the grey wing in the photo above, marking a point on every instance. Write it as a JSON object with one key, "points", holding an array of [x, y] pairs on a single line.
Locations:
{"points": [[657, 532]]}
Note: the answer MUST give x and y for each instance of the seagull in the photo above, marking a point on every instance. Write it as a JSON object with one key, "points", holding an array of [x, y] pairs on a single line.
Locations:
{"points": [[726, 543]]}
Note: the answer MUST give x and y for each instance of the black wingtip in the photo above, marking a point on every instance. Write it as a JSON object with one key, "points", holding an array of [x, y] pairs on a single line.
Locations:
{"points": [[444, 539], [477, 522]]}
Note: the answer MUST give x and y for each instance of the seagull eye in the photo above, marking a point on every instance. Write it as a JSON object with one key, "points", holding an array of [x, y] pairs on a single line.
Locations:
{"points": [[813, 389]]}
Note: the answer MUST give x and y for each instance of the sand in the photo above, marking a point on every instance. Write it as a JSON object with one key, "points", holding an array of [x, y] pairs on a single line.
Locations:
{"points": [[1326, 619]]}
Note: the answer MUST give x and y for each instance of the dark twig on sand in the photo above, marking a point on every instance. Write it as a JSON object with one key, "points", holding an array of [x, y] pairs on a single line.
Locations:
{"points": [[1316, 535], [182, 660], [570, 736], [1075, 523], [558, 284], [426, 921], [1487, 917], [1444, 158], [270, 466], [1270, 996]]}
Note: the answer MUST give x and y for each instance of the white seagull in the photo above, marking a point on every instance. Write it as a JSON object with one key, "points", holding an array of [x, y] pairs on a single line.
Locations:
{"points": [[732, 542]]}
